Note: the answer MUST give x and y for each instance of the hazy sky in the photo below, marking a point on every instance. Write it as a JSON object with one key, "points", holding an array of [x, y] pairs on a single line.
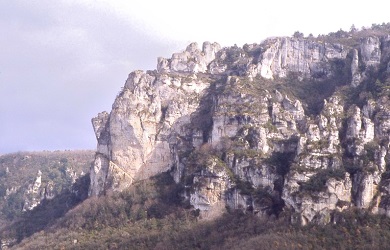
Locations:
{"points": [[62, 62]]}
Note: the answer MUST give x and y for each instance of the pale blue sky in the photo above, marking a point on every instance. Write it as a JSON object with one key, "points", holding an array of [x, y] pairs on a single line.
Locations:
{"points": [[62, 62]]}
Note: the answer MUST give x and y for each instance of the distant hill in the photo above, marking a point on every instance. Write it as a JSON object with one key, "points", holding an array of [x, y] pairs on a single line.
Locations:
{"points": [[27, 178]]}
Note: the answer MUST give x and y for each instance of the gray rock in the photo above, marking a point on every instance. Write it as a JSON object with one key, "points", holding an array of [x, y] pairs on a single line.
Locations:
{"points": [[218, 102]]}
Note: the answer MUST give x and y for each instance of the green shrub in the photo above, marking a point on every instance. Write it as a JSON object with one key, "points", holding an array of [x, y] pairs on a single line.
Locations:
{"points": [[317, 182]]}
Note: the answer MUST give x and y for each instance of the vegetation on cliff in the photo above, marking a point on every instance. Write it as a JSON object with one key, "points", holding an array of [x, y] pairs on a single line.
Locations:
{"points": [[281, 149], [38, 187], [151, 215]]}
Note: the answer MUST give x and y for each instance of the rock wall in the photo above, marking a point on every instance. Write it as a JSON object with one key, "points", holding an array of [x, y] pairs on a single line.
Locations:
{"points": [[228, 126]]}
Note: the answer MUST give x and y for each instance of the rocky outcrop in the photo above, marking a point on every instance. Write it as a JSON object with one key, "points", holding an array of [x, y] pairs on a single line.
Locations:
{"points": [[371, 51], [38, 191], [33, 194], [368, 57], [228, 126], [192, 60], [154, 111], [285, 55]]}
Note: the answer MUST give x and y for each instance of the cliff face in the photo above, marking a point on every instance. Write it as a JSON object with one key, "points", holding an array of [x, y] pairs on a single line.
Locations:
{"points": [[290, 124]]}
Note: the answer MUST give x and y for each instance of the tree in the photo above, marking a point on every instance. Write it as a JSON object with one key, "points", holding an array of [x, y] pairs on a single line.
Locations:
{"points": [[298, 34], [353, 29]]}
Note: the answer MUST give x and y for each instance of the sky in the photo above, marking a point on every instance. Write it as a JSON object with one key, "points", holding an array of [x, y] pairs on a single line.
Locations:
{"points": [[63, 62]]}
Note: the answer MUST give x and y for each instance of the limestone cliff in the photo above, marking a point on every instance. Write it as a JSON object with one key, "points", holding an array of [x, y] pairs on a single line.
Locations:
{"points": [[288, 125]]}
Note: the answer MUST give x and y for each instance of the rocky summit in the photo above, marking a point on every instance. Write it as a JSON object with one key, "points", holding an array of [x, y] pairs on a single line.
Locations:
{"points": [[293, 124]]}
